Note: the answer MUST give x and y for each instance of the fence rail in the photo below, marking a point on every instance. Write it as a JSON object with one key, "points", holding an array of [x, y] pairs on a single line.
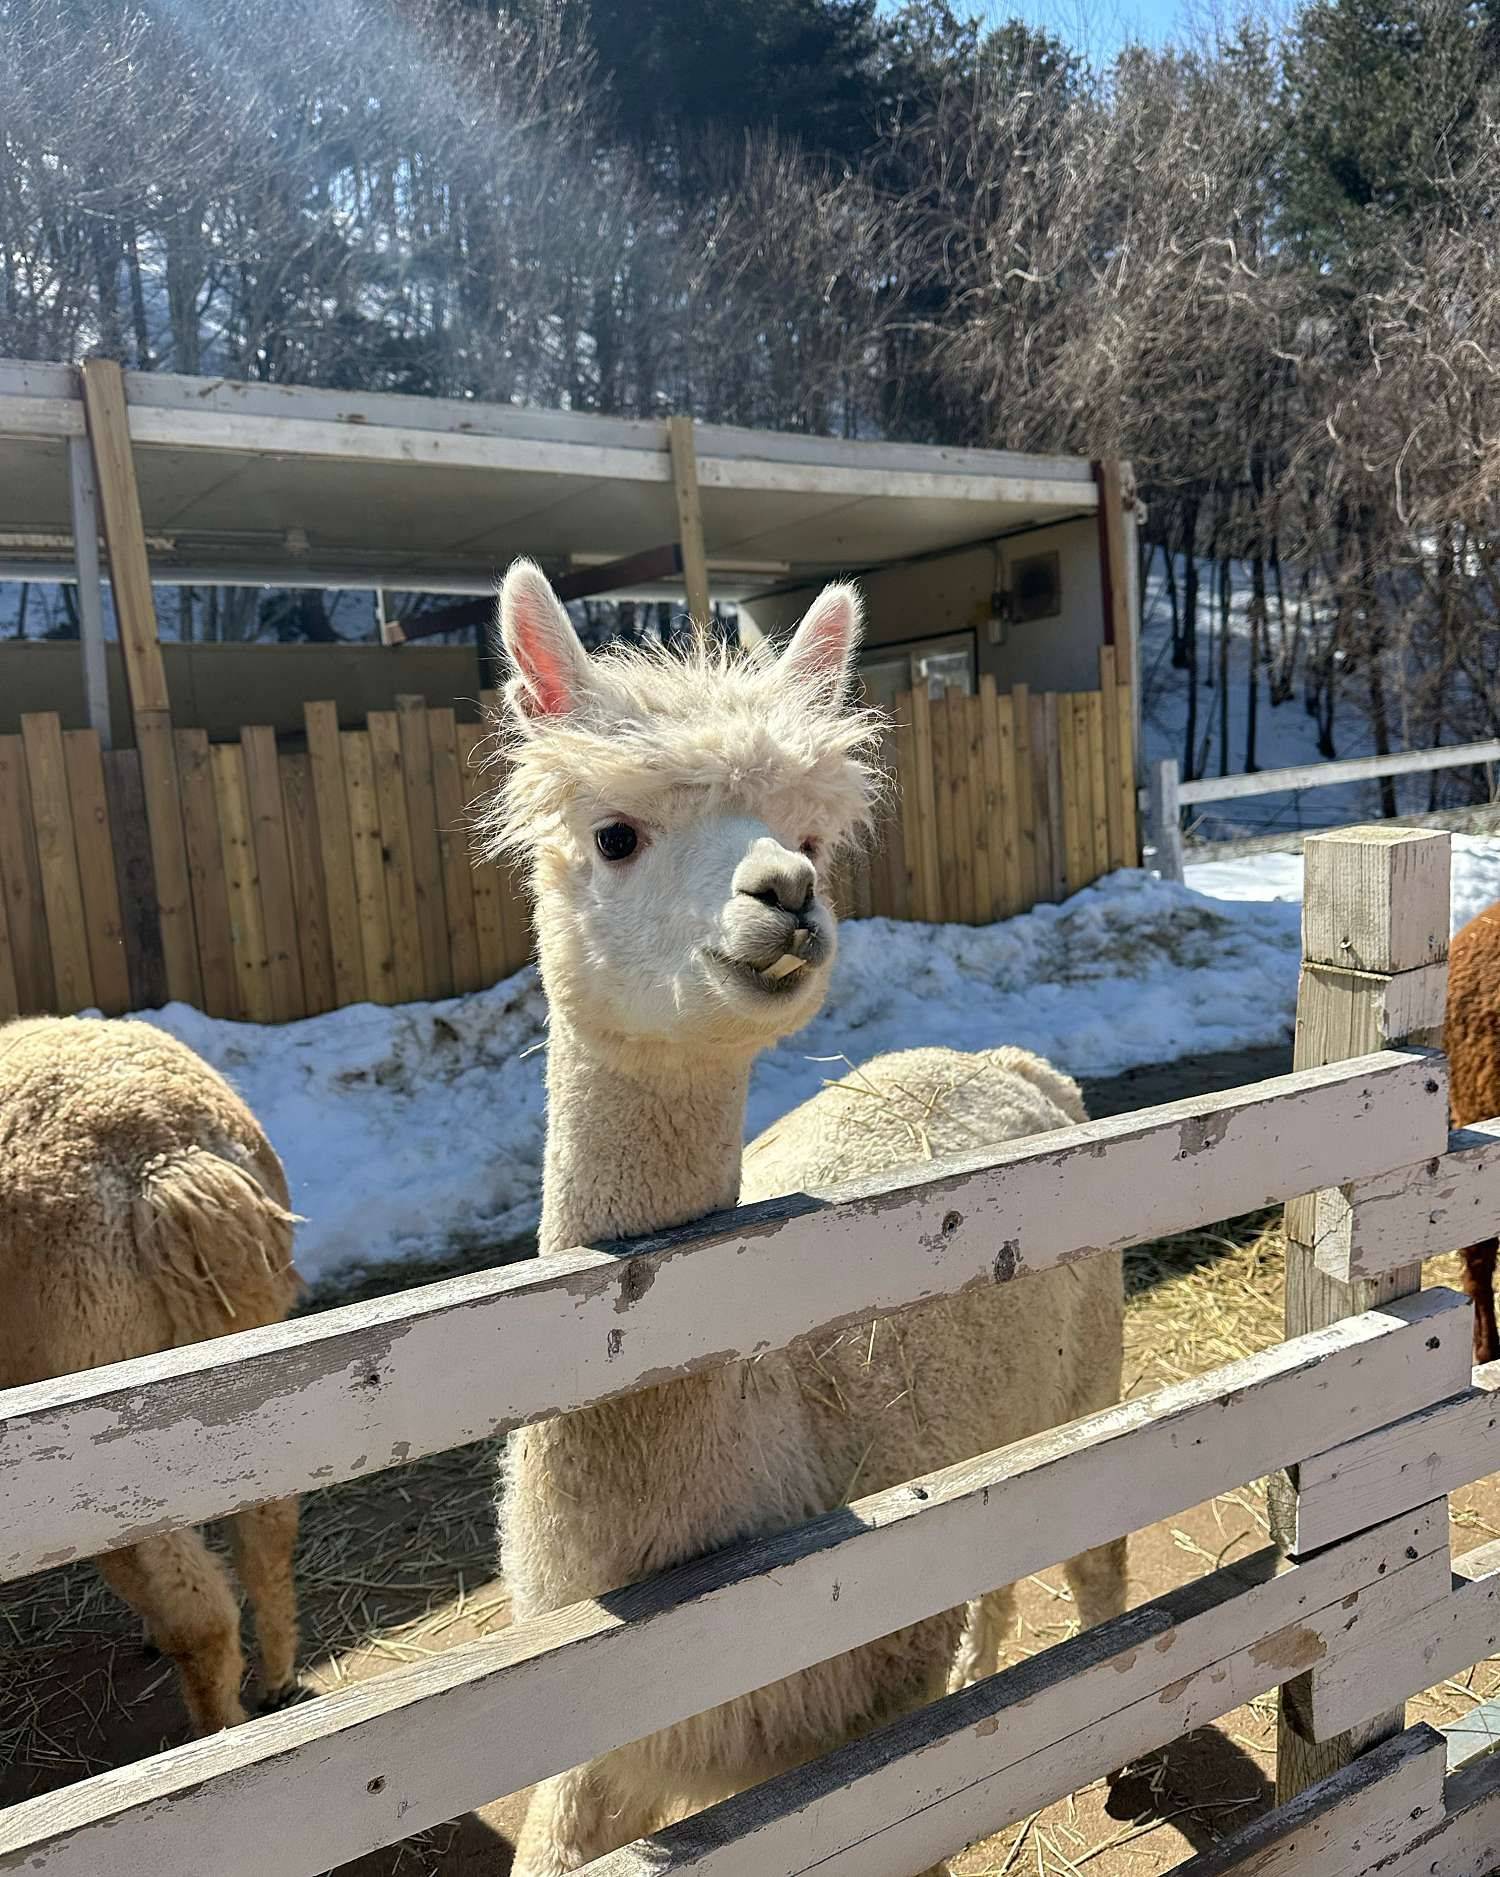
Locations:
{"points": [[1167, 794], [1376, 1413], [342, 871]]}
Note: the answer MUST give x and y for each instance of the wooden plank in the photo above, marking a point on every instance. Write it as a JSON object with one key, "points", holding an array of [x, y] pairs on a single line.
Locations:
{"points": [[83, 503], [120, 509], [990, 888], [10, 1000], [135, 614], [1110, 726], [57, 859], [21, 876], [902, 838], [426, 851], [1466, 1841], [1073, 806], [396, 847], [1007, 824], [130, 838], [1025, 815], [1343, 1825], [929, 897], [684, 453], [453, 843], [548, 1693], [978, 806], [247, 930], [1366, 1227], [460, 1360], [309, 900], [1381, 1475], [368, 866], [337, 851], [489, 889], [1052, 714], [103, 922], [1331, 775], [1416, 1650], [205, 852], [1093, 704], [1124, 708], [957, 815], [950, 895], [945, 1775], [1368, 898], [169, 862], [1376, 899], [273, 865]]}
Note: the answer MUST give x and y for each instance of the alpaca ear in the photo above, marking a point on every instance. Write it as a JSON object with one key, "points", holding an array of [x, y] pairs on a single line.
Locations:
{"points": [[823, 646], [552, 668]]}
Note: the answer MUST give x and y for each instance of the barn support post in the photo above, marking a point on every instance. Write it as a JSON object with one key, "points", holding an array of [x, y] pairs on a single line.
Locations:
{"points": [[84, 497], [1375, 908], [689, 518], [1164, 817], [135, 611]]}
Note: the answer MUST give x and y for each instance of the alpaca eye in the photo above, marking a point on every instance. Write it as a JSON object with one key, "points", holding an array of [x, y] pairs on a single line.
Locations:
{"points": [[616, 842], [811, 846]]}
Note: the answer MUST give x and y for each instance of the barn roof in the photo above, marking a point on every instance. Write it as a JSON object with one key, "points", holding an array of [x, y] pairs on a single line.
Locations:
{"points": [[238, 486]]}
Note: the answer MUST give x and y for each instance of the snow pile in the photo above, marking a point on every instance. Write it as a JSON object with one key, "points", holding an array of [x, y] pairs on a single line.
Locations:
{"points": [[417, 1131], [1278, 877]]}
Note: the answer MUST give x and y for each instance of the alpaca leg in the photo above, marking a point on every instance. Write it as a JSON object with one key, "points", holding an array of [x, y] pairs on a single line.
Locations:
{"points": [[1479, 1282], [575, 1818], [1097, 1579], [985, 1629], [264, 1539], [184, 1596]]}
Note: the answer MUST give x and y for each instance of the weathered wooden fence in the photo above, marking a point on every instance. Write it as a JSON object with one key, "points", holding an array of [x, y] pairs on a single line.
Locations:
{"points": [[342, 871], [1365, 1424]]}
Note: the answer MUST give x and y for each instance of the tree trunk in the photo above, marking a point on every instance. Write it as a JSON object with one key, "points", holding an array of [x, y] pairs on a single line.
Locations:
{"points": [[1190, 637], [1226, 587], [1257, 639]]}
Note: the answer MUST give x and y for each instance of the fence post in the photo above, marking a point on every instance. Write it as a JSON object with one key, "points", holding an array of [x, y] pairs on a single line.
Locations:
{"points": [[1164, 817], [1375, 908]]}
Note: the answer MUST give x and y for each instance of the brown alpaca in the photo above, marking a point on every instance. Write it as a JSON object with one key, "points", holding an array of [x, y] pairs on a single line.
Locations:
{"points": [[1472, 1038], [141, 1207]]}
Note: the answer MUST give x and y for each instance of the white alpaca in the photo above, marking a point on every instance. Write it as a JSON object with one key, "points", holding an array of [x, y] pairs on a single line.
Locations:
{"points": [[142, 1207], [675, 814]]}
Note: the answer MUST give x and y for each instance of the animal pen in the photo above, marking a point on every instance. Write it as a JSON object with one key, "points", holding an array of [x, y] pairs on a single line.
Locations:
{"points": [[155, 845], [1363, 1419]]}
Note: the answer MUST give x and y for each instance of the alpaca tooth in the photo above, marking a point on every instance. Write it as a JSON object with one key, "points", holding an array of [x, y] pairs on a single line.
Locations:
{"points": [[784, 966]]}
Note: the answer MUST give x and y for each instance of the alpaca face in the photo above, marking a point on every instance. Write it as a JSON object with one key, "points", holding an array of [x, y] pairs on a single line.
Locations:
{"points": [[676, 812]]}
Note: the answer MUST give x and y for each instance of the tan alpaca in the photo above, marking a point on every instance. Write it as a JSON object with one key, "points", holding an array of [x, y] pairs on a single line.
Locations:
{"points": [[675, 815], [141, 1207]]}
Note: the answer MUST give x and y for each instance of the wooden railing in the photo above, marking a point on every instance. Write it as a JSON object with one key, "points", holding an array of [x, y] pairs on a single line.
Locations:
{"points": [[1377, 1412], [343, 871]]}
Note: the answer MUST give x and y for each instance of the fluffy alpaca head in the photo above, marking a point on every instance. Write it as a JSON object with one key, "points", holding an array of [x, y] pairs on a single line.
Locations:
{"points": [[677, 813]]}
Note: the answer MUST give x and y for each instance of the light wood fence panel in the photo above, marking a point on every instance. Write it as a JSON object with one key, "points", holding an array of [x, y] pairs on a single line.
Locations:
{"points": [[96, 867], [205, 853]]}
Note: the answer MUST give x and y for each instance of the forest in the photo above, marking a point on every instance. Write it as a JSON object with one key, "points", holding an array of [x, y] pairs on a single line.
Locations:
{"points": [[1263, 263]]}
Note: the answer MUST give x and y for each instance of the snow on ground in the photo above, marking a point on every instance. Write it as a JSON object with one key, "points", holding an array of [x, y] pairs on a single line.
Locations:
{"points": [[1278, 877], [417, 1131]]}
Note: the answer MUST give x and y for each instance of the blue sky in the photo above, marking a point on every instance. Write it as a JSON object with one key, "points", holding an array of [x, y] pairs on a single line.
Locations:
{"points": [[1101, 27]]}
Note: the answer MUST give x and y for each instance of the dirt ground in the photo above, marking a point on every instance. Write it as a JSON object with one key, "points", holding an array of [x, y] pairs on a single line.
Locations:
{"points": [[402, 1565]]}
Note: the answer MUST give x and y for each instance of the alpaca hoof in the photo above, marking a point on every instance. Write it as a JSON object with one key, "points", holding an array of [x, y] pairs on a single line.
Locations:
{"points": [[275, 1699]]}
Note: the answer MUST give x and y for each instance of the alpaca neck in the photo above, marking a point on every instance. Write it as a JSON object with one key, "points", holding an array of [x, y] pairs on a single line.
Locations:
{"points": [[636, 1142], [636, 1145]]}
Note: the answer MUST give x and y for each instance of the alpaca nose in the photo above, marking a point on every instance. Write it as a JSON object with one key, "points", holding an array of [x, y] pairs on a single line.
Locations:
{"points": [[777, 877]]}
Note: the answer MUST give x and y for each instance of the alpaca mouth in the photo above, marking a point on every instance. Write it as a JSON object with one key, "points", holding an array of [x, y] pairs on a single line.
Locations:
{"points": [[788, 975]]}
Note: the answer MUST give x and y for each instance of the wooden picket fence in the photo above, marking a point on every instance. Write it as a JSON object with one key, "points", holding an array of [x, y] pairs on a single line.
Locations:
{"points": [[343, 872], [1376, 1412]]}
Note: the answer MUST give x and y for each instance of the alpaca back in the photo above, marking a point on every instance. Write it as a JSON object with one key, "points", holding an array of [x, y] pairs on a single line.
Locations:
{"points": [[141, 1205], [1471, 1033], [939, 1383]]}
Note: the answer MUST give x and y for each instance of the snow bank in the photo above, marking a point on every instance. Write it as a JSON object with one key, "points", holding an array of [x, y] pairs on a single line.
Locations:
{"points": [[1278, 877], [417, 1131]]}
